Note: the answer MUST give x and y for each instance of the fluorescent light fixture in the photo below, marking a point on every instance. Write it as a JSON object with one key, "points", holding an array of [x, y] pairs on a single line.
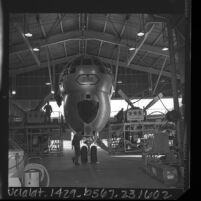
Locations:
{"points": [[13, 92], [131, 48], [35, 49], [140, 33], [28, 34], [165, 48], [119, 82], [48, 83], [52, 91]]}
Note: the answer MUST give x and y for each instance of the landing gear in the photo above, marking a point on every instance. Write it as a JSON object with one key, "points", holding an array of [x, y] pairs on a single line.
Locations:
{"points": [[93, 154], [84, 154], [88, 149]]}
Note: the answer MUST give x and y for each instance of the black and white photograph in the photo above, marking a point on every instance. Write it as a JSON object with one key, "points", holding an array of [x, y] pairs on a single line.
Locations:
{"points": [[97, 100]]}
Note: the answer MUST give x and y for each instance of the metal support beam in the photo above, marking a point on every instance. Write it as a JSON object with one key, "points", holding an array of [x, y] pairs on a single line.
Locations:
{"points": [[28, 44], [117, 67], [50, 53], [173, 68], [54, 78], [174, 85], [116, 33], [124, 26], [159, 76], [158, 38], [153, 44], [66, 53], [150, 84], [181, 56], [41, 26], [156, 60], [106, 60], [105, 25], [82, 33], [88, 35], [58, 21], [79, 29], [61, 23], [36, 67], [86, 23], [49, 66], [140, 45], [20, 58]]}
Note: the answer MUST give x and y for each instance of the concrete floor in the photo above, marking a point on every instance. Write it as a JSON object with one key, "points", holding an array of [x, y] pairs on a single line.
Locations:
{"points": [[110, 172]]}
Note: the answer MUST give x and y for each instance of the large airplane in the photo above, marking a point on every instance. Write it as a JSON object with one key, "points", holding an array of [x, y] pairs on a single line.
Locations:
{"points": [[86, 87]]}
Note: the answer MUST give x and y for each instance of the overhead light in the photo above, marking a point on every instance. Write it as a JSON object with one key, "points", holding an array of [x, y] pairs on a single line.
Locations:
{"points": [[131, 48], [35, 49], [140, 33], [119, 82], [13, 92], [165, 48], [52, 91], [28, 34], [48, 83]]}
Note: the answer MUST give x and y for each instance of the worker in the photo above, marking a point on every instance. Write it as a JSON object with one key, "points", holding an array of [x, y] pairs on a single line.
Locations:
{"points": [[48, 111], [76, 145]]}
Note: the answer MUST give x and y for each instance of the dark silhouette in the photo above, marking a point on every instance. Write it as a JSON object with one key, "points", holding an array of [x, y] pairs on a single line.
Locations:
{"points": [[76, 145], [120, 115], [48, 111]]}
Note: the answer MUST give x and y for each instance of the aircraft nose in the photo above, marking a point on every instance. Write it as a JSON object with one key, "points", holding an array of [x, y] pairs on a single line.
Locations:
{"points": [[88, 110]]}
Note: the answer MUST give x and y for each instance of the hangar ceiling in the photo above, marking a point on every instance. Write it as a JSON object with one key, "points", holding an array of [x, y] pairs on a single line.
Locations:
{"points": [[61, 37]]}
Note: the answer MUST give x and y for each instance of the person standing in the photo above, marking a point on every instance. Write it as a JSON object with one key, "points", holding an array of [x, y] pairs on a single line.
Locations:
{"points": [[48, 111], [76, 145]]}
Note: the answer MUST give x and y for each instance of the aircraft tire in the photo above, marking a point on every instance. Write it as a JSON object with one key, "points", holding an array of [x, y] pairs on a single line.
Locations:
{"points": [[93, 154], [84, 155]]}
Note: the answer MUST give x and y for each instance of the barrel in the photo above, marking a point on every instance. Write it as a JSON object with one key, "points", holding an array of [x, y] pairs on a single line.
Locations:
{"points": [[31, 178]]}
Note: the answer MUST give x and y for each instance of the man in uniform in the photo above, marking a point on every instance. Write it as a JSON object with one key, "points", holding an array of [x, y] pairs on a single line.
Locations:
{"points": [[76, 145], [48, 111]]}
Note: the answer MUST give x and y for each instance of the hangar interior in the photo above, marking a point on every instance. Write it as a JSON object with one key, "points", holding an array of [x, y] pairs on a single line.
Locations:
{"points": [[144, 53]]}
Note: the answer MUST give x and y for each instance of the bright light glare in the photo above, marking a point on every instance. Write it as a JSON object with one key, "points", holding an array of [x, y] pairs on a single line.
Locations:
{"points": [[35, 49], [28, 34], [13, 92], [57, 111], [116, 105], [140, 33], [165, 49]]}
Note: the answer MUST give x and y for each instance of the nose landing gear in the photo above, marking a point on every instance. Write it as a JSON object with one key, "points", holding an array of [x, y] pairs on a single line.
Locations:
{"points": [[89, 150], [93, 154], [84, 154]]}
